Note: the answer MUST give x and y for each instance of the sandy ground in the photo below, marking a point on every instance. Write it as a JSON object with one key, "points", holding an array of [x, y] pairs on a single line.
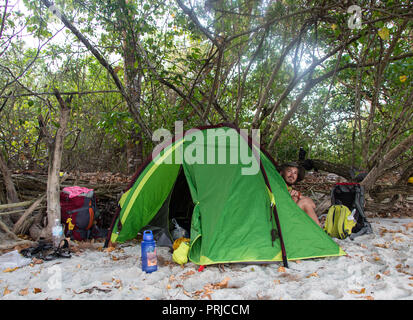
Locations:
{"points": [[378, 266]]}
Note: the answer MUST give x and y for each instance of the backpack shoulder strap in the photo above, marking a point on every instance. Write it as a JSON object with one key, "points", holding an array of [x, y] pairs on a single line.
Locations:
{"points": [[342, 217]]}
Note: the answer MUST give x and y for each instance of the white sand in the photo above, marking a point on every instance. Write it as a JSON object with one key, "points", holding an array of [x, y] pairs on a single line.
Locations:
{"points": [[378, 266]]}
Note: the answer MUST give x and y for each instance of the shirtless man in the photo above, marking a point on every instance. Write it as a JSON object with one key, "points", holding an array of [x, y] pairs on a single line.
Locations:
{"points": [[291, 172]]}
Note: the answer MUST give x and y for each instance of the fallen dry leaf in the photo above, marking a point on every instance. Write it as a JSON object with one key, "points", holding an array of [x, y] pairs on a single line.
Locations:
{"points": [[314, 274], [6, 291], [24, 292], [400, 268], [281, 269], [10, 269], [398, 239], [368, 298], [37, 261], [190, 272], [118, 283], [290, 277], [197, 293], [384, 230], [223, 283], [409, 225], [207, 292], [382, 245], [187, 274], [37, 290], [362, 291]]}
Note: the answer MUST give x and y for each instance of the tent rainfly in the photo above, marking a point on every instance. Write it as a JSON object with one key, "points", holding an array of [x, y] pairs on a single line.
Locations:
{"points": [[220, 185]]}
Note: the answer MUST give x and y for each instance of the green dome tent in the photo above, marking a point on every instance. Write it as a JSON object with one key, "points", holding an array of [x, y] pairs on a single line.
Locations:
{"points": [[229, 192]]}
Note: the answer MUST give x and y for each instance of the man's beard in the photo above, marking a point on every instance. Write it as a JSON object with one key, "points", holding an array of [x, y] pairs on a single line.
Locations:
{"points": [[290, 184]]}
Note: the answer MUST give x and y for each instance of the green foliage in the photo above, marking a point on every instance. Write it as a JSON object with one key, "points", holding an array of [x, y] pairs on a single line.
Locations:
{"points": [[171, 64]]}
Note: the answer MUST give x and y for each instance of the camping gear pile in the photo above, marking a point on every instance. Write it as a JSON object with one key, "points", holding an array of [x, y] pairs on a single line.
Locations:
{"points": [[346, 217]]}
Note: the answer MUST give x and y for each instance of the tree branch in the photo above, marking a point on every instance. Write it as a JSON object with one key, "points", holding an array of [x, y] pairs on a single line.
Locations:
{"points": [[106, 65], [62, 93], [193, 17], [379, 168], [377, 85], [264, 94], [3, 20]]}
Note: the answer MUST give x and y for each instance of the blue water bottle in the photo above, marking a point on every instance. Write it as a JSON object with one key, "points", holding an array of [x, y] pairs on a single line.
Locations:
{"points": [[148, 249]]}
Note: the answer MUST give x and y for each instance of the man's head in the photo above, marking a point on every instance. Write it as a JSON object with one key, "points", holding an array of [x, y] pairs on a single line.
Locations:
{"points": [[292, 173]]}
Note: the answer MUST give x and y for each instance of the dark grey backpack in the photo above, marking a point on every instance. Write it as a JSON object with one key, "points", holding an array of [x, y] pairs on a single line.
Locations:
{"points": [[351, 195]]}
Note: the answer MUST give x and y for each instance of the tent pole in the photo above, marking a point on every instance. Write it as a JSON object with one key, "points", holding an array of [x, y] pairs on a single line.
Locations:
{"points": [[283, 252], [111, 227]]}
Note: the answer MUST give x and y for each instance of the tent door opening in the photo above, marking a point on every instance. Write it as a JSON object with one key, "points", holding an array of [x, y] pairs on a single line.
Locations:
{"points": [[178, 205], [181, 205]]}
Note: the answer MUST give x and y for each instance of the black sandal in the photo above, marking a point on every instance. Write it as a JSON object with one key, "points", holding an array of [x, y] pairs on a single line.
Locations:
{"points": [[38, 251], [45, 251], [62, 251]]}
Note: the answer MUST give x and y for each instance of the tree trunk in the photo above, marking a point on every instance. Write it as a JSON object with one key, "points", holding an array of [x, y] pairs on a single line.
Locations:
{"points": [[293, 108], [379, 78], [406, 174], [11, 193], [18, 225], [55, 159], [387, 160], [399, 123], [133, 76], [342, 170], [379, 192], [264, 94]]}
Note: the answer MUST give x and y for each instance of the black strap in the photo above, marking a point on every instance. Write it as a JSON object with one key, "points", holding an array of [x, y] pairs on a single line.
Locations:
{"points": [[45, 250], [283, 252]]}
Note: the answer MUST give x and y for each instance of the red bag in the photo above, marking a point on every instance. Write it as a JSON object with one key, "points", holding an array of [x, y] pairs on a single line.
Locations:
{"points": [[78, 212]]}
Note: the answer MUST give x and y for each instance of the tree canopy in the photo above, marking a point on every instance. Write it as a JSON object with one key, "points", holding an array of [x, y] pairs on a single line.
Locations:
{"points": [[333, 77]]}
